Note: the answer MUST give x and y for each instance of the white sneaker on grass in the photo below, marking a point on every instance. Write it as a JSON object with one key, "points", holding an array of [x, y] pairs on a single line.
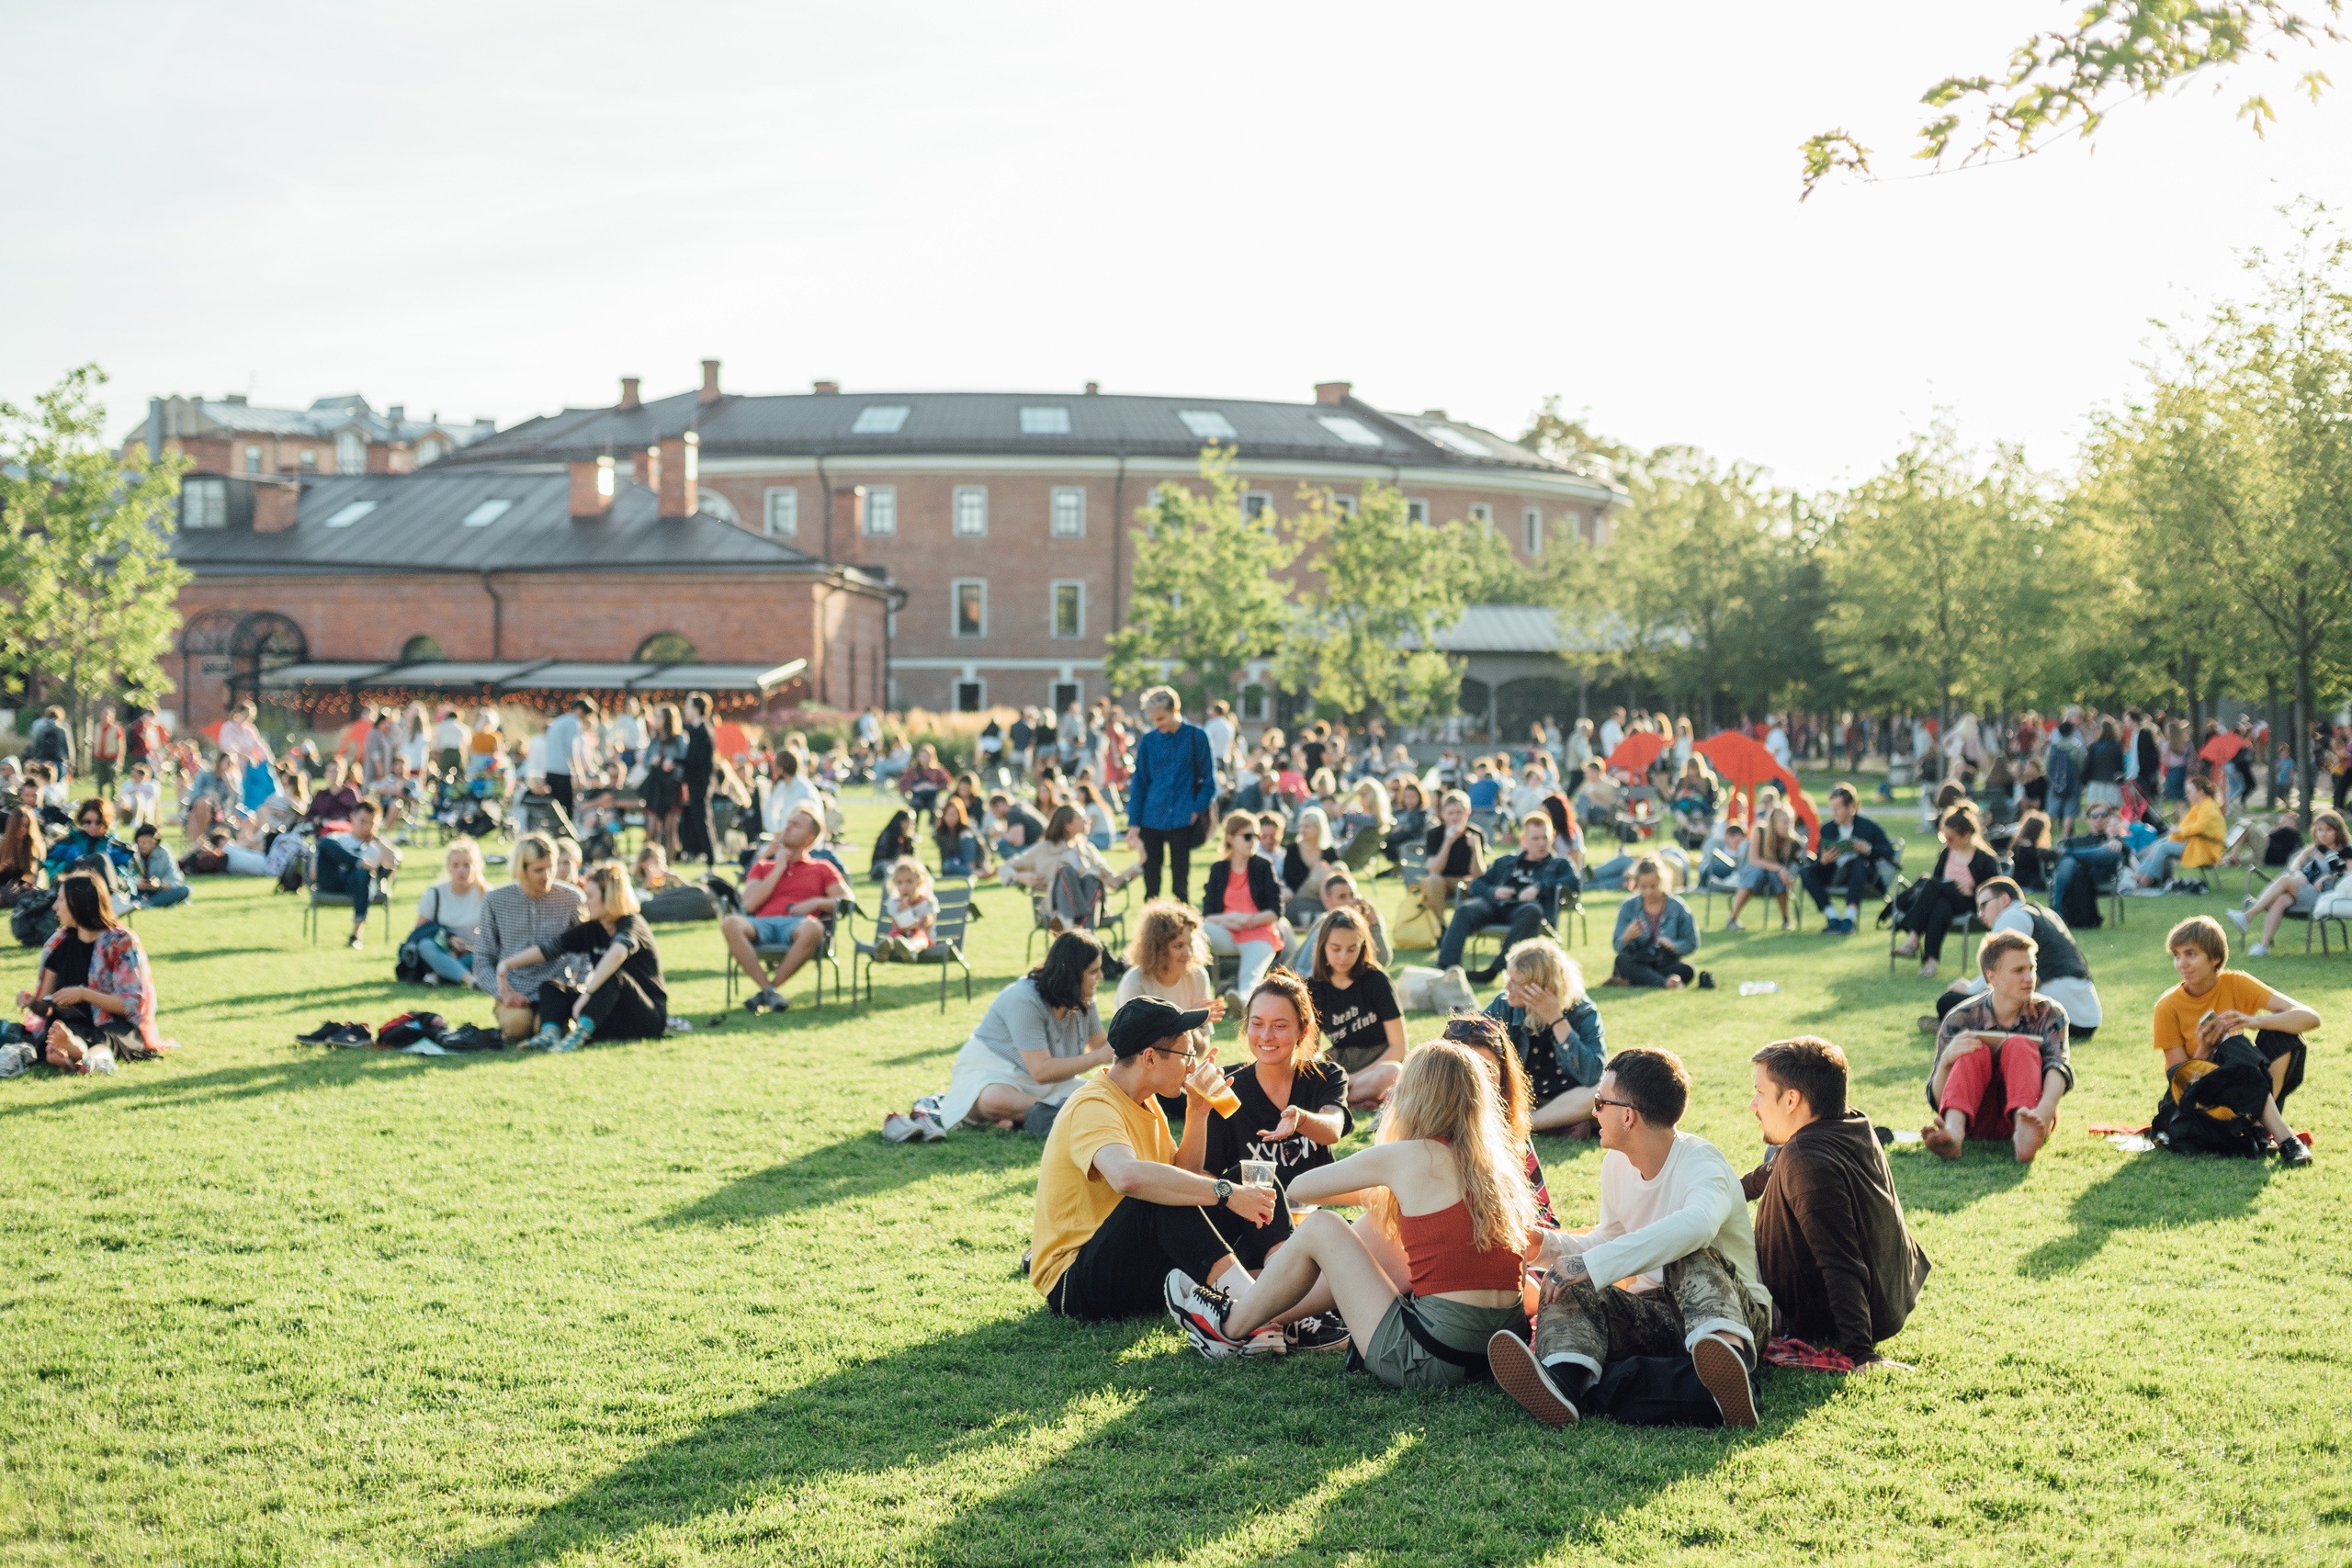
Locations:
{"points": [[2235, 918], [2258, 950]]}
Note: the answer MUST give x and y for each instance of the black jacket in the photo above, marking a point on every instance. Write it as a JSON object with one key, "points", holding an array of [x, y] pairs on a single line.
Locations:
{"points": [[1870, 836], [1982, 867], [1266, 891], [1831, 1242]]}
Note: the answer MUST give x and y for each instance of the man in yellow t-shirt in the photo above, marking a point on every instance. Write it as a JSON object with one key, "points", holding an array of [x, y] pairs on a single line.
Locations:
{"points": [[1119, 1203], [2212, 1003]]}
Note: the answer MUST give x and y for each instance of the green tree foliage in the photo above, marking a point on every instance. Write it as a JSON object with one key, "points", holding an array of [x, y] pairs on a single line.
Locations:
{"points": [[1209, 594], [1382, 581], [88, 589], [1937, 594], [2068, 80]]}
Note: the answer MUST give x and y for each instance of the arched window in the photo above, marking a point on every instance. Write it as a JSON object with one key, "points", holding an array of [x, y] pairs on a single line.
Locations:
{"points": [[419, 649], [667, 647], [710, 503]]}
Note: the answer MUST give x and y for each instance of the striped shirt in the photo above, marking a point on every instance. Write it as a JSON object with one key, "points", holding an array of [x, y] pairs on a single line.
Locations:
{"points": [[510, 921]]}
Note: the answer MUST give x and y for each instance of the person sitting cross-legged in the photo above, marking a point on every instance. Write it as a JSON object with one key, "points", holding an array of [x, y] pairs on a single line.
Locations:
{"points": [[92, 988], [1447, 1177], [533, 910], [1855, 859], [1555, 1028], [1657, 1315], [1522, 889], [2233, 1050], [156, 880], [793, 894], [1831, 1243], [1654, 935], [2060, 973], [2001, 1061], [623, 996], [1119, 1203]]}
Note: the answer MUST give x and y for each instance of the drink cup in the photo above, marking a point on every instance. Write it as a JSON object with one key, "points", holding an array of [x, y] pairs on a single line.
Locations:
{"points": [[1223, 1102], [1258, 1173]]}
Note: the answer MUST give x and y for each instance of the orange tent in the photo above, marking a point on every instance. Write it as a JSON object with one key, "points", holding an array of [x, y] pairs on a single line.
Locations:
{"points": [[1635, 753], [1742, 762]]}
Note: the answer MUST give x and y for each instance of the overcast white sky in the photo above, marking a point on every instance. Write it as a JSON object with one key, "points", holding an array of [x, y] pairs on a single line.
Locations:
{"points": [[499, 210]]}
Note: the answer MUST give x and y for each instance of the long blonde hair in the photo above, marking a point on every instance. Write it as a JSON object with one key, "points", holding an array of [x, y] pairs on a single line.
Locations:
{"points": [[1443, 1095]]}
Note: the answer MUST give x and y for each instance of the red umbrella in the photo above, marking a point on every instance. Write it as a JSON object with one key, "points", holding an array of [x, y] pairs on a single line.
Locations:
{"points": [[1635, 753], [1743, 763]]}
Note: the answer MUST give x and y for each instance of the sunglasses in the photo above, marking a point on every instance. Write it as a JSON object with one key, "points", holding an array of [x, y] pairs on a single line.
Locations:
{"points": [[1620, 1104], [1247, 838]]}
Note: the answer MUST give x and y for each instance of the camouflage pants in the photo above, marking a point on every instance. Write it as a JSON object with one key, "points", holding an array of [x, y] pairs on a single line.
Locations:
{"points": [[1598, 1324]]}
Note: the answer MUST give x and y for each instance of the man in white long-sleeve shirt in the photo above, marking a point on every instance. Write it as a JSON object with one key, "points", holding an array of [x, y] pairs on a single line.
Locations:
{"points": [[1656, 1315]]}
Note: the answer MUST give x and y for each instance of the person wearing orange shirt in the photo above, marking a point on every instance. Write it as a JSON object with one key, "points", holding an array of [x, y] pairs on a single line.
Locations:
{"points": [[2247, 1037]]}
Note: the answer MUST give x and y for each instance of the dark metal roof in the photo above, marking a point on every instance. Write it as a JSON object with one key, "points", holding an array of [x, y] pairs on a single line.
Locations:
{"points": [[990, 423], [417, 523]]}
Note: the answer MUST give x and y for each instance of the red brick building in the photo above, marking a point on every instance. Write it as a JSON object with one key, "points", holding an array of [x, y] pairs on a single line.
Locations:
{"points": [[478, 582], [1005, 517], [341, 434]]}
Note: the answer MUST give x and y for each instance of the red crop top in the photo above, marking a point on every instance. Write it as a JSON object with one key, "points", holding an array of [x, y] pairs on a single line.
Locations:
{"points": [[1437, 1247]]}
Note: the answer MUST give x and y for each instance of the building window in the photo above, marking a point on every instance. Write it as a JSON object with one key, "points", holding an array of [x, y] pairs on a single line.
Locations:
{"points": [[1482, 514], [1256, 503], [970, 595], [1253, 703], [1416, 512], [881, 509], [1208, 425], [252, 459], [1067, 694], [1070, 609], [1588, 527], [879, 419], [1345, 505], [419, 649], [666, 648], [972, 510], [204, 503], [1045, 421], [351, 453], [488, 512], [783, 509], [1069, 512], [1535, 521], [427, 451], [309, 461], [971, 696]]}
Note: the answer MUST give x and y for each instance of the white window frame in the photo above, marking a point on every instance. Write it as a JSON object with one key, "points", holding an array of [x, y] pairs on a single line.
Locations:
{"points": [[1482, 512], [1054, 608], [1532, 523], [956, 690], [1045, 419], [1256, 704], [252, 459], [955, 608], [1075, 496], [310, 460], [881, 510], [780, 512], [979, 494], [1345, 505], [1256, 503], [350, 452], [204, 504], [1417, 511]]}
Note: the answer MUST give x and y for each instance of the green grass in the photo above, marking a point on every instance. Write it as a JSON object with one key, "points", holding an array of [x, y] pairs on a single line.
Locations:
{"points": [[679, 1302]]}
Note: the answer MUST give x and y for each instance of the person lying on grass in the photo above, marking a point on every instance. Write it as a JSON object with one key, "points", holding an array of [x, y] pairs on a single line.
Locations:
{"points": [[1831, 1243], [1462, 1212], [2001, 1061], [93, 987], [2234, 1026], [1675, 1339], [623, 996], [1119, 1203]]}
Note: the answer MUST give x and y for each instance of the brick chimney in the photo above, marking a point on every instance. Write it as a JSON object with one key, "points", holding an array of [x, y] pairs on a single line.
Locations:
{"points": [[1095, 388], [678, 464], [826, 389], [1331, 392], [846, 539], [275, 504], [709, 393], [628, 391], [645, 467], [593, 483]]}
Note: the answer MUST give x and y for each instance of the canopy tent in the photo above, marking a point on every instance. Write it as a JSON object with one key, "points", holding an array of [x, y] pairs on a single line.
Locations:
{"points": [[1742, 762]]}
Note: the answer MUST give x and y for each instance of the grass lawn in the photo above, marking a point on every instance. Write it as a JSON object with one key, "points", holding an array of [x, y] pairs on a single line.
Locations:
{"points": [[680, 1302]]}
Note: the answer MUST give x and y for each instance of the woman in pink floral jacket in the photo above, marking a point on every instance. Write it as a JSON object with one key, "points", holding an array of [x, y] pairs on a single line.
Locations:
{"points": [[95, 988]]}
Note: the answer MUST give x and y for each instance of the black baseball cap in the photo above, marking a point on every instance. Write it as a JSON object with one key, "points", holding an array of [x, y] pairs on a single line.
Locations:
{"points": [[1146, 1022]]}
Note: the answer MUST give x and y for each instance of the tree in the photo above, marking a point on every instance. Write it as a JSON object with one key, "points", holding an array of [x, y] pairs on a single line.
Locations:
{"points": [[1209, 594], [1930, 567], [1365, 641], [88, 589], [2068, 80]]}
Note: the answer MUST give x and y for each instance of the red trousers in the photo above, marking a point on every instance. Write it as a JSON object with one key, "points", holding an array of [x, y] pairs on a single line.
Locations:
{"points": [[1992, 1084]]}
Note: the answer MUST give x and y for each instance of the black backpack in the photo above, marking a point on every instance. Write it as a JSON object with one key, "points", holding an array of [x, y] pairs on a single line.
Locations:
{"points": [[34, 920], [2218, 1111]]}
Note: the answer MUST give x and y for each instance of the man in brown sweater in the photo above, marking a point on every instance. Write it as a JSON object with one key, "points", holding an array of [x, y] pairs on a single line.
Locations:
{"points": [[1831, 1243]]}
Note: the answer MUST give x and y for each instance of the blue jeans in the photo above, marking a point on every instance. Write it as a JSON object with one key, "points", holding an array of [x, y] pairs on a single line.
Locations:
{"points": [[1472, 914], [2157, 860], [164, 897], [2097, 864], [442, 962]]}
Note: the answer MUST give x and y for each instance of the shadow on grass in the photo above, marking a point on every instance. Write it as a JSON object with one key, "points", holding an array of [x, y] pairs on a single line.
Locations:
{"points": [[2148, 1191], [1062, 1442], [330, 1070], [1946, 1186], [854, 1167]]}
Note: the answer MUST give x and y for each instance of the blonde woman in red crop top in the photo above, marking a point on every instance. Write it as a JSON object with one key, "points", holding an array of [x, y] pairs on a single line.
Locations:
{"points": [[1457, 1192]]}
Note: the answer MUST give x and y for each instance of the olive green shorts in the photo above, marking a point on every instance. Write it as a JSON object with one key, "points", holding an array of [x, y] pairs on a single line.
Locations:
{"points": [[1391, 1354]]}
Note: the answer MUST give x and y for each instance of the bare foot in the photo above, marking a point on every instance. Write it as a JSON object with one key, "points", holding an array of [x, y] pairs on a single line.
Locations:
{"points": [[1674, 982], [1939, 1140], [2031, 1132]]}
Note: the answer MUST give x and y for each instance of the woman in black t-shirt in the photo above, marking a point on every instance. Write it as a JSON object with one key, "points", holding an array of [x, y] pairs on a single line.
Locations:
{"points": [[1356, 1007], [1293, 1108], [623, 998]]}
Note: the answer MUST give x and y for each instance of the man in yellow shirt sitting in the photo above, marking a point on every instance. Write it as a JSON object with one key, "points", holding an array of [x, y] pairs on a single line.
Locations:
{"points": [[2232, 1049], [2195, 843]]}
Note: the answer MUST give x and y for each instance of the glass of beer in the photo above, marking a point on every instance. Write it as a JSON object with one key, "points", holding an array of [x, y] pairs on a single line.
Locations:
{"points": [[1258, 1173], [1224, 1101]]}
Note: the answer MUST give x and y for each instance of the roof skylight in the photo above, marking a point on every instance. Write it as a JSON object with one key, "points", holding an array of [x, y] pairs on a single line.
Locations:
{"points": [[1208, 425], [351, 514], [1445, 435], [1352, 431], [1045, 421], [488, 512], [879, 419]]}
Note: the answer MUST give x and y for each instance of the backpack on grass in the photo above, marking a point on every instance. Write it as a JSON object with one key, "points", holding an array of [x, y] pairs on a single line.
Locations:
{"points": [[34, 920]]}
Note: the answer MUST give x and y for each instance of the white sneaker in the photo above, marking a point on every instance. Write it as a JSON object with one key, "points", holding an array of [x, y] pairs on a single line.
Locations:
{"points": [[1199, 1311], [2259, 950], [2235, 918], [899, 1128]]}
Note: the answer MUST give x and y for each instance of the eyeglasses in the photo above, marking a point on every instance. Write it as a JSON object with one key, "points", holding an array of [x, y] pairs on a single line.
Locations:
{"points": [[1620, 1104], [1180, 1055], [1247, 838]]}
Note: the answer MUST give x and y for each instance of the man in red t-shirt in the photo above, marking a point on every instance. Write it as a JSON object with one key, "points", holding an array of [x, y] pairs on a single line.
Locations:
{"points": [[791, 896]]}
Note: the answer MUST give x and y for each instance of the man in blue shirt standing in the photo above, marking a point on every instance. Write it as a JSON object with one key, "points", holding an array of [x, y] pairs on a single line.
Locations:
{"points": [[1174, 782]]}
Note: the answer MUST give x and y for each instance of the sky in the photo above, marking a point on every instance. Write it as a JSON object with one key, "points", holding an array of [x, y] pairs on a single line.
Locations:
{"points": [[499, 209]]}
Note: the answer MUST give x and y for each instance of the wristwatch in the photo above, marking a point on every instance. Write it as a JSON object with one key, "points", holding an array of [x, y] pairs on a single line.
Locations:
{"points": [[1223, 1189]]}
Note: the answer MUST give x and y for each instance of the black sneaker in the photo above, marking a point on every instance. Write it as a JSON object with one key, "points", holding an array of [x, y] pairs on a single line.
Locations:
{"points": [[352, 1034], [1725, 1372], [1521, 1375], [2293, 1152], [1324, 1331], [319, 1035]]}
